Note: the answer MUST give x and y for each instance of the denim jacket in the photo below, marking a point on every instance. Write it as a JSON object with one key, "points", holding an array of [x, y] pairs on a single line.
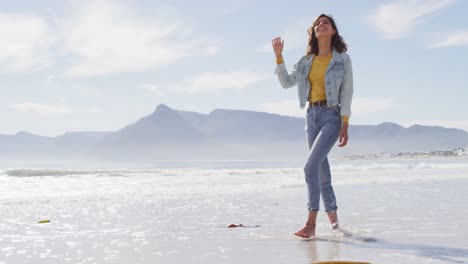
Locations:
{"points": [[338, 80]]}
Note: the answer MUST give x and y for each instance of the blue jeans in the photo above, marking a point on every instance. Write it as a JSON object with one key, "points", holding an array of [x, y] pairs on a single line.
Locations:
{"points": [[323, 126]]}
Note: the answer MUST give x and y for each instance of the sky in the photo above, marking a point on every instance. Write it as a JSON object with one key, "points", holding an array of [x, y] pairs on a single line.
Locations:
{"points": [[100, 65]]}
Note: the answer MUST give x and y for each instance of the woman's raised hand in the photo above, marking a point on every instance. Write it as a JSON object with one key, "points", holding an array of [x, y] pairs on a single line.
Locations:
{"points": [[278, 45]]}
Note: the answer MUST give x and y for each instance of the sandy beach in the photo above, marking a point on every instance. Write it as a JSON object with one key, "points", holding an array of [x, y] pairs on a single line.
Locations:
{"points": [[399, 211]]}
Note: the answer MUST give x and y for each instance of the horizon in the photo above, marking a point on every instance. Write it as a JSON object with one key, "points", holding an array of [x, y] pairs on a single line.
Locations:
{"points": [[100, 65], [207, 114]]}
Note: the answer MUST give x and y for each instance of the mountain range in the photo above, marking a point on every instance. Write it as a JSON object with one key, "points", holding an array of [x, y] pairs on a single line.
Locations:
{"points": [[169, 135]]}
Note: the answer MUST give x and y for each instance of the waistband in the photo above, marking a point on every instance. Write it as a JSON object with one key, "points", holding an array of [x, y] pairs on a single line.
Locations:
{"points": [[318, 103]]}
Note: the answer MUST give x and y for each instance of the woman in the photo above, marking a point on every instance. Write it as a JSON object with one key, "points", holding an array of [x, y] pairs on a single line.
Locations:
{"points": [[325, 81]]}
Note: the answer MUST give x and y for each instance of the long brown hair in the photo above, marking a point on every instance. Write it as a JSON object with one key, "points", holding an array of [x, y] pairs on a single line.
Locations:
{"points": [[337, 41]]}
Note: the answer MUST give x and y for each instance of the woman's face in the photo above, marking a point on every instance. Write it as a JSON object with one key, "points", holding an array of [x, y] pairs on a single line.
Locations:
{"points": [[323, 28]]}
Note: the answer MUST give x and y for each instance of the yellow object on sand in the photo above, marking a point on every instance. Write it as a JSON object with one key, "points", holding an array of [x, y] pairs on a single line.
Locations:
{"points": [[43, 221]]}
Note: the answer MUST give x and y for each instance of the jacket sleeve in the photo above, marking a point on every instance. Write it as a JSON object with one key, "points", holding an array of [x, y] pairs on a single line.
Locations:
{"points": [[346, 89], [286, 80]]}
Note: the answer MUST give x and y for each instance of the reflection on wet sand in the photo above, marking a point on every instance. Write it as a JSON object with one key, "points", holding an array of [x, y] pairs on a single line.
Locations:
{"points": [[318, 251]]}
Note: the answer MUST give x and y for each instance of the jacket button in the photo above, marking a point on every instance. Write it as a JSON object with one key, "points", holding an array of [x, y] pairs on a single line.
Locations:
{"points": [[328, 82]]}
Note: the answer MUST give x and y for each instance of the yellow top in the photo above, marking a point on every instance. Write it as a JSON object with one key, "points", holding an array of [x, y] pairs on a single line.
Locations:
{"points": [[317, 78]]}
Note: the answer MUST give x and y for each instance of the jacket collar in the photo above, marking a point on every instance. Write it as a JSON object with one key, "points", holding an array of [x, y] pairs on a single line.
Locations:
{"points": [[336, 56]]}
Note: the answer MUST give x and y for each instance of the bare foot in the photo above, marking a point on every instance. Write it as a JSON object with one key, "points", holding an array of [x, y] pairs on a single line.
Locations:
{"points": [[307, 232], [333, 217], [334, 226]]}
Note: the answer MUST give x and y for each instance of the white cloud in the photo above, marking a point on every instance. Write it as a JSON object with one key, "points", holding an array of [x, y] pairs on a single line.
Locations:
{"points": [[212, 82], [24, 42], [399, 18], [87, 91], [153, 89], [107, 37], [48, 109], [460, 124], [287, 107], [294, 35], [212, 50], [459, 38]]}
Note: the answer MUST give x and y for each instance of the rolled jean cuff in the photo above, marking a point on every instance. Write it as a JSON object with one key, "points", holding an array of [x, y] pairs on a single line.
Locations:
{"points": [[313, 209], [332, 209]]}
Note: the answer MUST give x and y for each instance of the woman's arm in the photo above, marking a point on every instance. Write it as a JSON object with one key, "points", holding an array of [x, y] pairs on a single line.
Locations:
{"points": [[286, 80], [346, 96], [346, 89]]}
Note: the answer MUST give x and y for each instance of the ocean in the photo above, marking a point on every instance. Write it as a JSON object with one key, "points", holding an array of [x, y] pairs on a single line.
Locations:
{"points": [[397, 210]]}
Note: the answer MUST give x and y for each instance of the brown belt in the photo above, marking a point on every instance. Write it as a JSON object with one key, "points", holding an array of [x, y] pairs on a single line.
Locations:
{"points": [[318, 103]]}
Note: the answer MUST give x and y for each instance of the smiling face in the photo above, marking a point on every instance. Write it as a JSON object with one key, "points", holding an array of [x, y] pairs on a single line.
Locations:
{"points": [[323, 28]]}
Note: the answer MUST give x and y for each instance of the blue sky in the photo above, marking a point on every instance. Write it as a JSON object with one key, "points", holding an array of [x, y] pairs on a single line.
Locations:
{"points": [[99, 65]]}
